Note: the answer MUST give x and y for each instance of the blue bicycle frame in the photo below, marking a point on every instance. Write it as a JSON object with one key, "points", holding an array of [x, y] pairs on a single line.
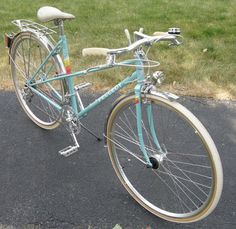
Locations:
{"points": [[138, 75]]}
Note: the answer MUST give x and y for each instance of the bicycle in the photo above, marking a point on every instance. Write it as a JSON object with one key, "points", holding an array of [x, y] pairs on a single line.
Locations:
{"points": [[162, 154]]}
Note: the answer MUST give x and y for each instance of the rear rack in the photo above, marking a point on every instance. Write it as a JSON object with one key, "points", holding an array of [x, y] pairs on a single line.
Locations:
{"points": [[33, 26]]}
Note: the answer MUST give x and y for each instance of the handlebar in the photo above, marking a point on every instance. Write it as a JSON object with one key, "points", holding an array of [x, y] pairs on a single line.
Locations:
{"points": [[141, 39]]}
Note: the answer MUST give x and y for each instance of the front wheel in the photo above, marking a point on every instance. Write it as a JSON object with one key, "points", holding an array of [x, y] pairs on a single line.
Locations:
{"points": [[185, 183]]}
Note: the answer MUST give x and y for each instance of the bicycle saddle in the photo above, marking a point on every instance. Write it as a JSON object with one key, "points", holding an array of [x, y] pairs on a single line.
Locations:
{"points": [[48, 13]]}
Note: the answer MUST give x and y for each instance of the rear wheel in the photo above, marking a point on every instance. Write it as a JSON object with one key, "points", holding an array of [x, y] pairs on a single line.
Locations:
{"points": [[185, 183], [27, 53]]}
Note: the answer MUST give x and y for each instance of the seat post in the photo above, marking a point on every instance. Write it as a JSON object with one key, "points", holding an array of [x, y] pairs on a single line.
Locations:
{"points": [[60, 24]]}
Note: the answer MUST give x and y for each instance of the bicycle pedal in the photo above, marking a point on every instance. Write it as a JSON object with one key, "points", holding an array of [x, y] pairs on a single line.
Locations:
{"points": [[69, 150]]}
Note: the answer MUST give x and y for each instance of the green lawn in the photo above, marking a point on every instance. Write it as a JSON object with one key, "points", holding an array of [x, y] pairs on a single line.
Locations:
{"points": [[204, 65]]}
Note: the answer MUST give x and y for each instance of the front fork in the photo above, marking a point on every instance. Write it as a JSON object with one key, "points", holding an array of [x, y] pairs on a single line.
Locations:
{"points": [[138, 105]]}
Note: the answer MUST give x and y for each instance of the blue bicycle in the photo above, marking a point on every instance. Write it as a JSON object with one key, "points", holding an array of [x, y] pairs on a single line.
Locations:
{"points": [[160, 151]]}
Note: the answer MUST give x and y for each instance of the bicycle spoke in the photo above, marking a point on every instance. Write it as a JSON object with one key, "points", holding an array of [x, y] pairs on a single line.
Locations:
{"points": [[186, 163], [198, 174], [196, 185], [176, 191], [182, 201], [135, 142], [126, 150], [182, 186]]}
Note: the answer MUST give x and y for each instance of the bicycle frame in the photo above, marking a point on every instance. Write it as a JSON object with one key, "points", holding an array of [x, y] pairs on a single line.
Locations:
{"points": [[62, 44], [137, 75]]}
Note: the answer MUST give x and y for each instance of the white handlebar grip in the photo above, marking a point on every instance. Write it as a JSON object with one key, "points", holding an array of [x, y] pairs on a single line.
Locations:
{"points": [[95, 51]]}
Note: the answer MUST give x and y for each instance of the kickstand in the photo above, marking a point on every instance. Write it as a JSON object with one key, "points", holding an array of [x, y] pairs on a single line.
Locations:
{"points": [[89, 131]]}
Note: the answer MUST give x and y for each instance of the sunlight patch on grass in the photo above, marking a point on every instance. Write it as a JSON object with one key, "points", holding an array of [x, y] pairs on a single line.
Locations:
{"points": [[198, 89]]}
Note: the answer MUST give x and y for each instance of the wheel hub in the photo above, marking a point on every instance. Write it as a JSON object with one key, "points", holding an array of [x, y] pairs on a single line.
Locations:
{"points": [[157, 159], [155, 163], [27, 94]]}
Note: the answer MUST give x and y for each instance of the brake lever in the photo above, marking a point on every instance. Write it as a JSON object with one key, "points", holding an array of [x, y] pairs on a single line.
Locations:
{"points": [[176, 42], [128, 36]]}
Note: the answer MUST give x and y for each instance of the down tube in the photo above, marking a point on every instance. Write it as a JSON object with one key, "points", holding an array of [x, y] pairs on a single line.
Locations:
{"points": [[122, 84]]}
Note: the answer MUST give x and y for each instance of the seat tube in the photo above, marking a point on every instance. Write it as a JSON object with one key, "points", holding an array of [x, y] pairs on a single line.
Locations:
{"points": [[69, 80]]}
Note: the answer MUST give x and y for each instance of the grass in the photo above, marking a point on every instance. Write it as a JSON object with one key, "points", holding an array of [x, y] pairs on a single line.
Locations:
{"points": [[203, 66]]}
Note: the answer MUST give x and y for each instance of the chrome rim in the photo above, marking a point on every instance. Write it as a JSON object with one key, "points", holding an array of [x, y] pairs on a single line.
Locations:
{"points": [[183, 186]]}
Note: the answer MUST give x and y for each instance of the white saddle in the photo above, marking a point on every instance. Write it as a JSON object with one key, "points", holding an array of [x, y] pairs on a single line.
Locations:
{"points": [[48, 13]]}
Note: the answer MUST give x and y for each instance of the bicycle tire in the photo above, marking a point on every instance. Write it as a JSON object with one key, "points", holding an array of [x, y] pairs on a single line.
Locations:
{"points": [[27, 52], [187, 185]]}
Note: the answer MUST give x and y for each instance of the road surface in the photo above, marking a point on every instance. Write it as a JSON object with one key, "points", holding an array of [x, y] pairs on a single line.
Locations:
{"points": [[38, 187]]}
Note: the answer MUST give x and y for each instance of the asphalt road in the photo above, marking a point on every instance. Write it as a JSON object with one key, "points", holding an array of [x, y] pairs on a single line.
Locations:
{"points": [[41, 189]]}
